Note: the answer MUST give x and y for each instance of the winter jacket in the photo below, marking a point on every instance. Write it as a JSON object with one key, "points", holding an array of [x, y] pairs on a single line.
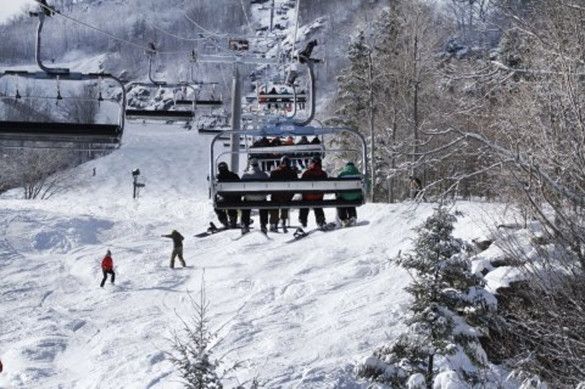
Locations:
{"points": [[177, 239], [107, 263], [350, 171], [228, 176], [255, 174], [283, 174], [313, 173]]}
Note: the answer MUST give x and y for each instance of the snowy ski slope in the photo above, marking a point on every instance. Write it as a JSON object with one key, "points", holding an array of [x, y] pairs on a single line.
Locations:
{"points": [[297, 315]]}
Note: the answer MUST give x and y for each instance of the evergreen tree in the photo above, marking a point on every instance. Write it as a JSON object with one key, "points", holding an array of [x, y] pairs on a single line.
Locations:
{"points": [[193, 352], [351, 101], [449, 308]]}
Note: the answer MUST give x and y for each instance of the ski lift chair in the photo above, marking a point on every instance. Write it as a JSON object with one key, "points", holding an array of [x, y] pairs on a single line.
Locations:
{"points": [[106, 135], [210, 101], [89, 134], [161, 115], [219, 191]]}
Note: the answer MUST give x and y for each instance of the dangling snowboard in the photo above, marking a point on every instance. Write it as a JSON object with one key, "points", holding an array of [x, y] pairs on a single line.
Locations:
{"points": [[300, 233], [213, 229]]}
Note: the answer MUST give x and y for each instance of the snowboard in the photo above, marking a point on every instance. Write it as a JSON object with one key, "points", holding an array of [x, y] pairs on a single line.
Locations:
{"points": [[213, 229], [300, 233]]}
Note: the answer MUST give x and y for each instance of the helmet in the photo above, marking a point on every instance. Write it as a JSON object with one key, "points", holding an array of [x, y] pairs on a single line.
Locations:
{"points": [[285, 161], [222, 166]]}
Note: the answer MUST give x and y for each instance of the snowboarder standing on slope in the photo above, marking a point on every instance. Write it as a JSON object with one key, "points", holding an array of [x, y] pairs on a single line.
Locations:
{"points": [[314, 172], [254, 174], [177, 247], [282, 172], [348, 215], [224, 174], [108, 268]]}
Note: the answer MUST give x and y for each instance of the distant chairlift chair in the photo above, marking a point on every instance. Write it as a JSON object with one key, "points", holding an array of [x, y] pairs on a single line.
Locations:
{"points": [[90, 134], [160, 115]]}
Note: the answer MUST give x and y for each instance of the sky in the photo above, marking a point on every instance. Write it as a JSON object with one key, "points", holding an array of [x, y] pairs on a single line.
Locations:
{"points": [[10, 8]]}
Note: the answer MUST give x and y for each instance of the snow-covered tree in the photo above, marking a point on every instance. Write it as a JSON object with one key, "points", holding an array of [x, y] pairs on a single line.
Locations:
{"points": [[449, 308], [193, 354]]}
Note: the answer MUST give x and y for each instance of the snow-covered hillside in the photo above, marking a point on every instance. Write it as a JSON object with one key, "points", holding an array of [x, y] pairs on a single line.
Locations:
{"points": [[296, 315]]}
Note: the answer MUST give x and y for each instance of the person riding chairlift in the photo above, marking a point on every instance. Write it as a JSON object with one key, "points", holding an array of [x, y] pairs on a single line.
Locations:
{"points": [[303, 140], [348, 215], [225, 175], [254, 173], [283, 172], [314, 172]]}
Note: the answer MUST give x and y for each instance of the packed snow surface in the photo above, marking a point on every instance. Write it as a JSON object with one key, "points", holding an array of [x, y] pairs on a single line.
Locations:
{"points": [[296, 315]]}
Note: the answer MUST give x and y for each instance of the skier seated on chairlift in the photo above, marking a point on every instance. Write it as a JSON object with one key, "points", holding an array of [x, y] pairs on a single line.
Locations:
{"points": [[348, 215], [303, 140], [313, 172], [228, 218], [283, 172], [289, 141], [254, 173], [262, 142], [316, 141]]}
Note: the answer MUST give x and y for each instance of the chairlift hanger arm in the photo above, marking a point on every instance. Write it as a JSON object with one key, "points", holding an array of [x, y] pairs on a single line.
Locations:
{"points": [[45, 12]]}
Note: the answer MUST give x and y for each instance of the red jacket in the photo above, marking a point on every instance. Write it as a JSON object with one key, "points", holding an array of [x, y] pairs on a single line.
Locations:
{"points": [[312, 173], [107, 263]]}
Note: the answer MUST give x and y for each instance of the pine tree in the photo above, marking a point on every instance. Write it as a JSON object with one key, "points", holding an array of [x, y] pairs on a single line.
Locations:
{"points": [[446, 315], [193, 352], [352, 94]]}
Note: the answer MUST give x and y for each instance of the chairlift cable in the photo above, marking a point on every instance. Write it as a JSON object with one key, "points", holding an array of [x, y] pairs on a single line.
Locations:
{"points": [[212, 33], [87, 25], [174, 35], [246, 16]]}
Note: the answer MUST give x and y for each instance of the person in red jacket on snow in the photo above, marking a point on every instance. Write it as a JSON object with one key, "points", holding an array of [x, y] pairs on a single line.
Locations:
{"points": [[108, 268]]}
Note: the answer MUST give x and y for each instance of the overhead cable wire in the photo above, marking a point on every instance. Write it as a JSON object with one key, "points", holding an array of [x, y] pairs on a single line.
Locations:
{"points": [[175, 35], [207, 59], [246, 16], [212, 33], [87, 25]]}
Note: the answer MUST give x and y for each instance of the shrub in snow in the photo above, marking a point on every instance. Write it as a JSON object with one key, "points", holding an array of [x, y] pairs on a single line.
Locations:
{"points": [[193, 352], [448, 315]]}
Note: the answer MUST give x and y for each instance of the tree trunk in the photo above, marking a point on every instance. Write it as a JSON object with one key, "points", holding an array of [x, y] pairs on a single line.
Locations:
{"points": [[415, 105], [429, 377], [371, 120]]}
